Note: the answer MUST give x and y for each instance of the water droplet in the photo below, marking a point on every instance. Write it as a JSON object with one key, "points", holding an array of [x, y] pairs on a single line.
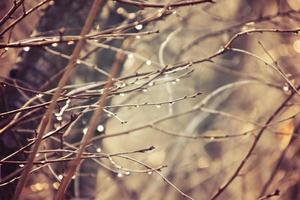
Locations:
{"points": [[98, 150], [78, 61], [286, 88], [158, 106], [145, 90], [177, 79], [54, 44], [59, 118], [60, 177], [138, 37], [127, 173], [212, 138], [120, 175], [139, 27], [148, 62], [70, 43], [37, 155], [39, 95], [6, 48], [150, 172], [130, 55], [137, 106], [73, 177], [100, 128], [55, 185], [26, 48], [160, 12], [85, 130], [21, 165], [151, 84], [122, 94]]}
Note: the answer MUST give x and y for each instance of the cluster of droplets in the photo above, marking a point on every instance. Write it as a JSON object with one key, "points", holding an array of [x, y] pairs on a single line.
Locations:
{"points": [[100, 128]]}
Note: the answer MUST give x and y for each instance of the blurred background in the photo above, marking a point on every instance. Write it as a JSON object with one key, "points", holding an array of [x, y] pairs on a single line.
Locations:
{"points": [[185, 117]]}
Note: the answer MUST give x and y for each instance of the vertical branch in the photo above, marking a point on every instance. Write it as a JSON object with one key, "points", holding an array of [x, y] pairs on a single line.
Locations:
{"points": [[91, 128], [47, 117]]}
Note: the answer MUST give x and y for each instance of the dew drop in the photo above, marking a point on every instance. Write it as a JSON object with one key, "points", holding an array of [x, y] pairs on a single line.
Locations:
{"points": [[6, 48], [127, 173], [120, 175], [139, 27], [151, 84], [39, 95], [60, 177], [138, 37], [100, 128], [160, 12], [98, 150], [21, 165], [150, 172], [85, 130], [286, 88], [55, 185], [78, 61], [54, 44], [130, 56], [59, 118], [70, 43], [73, 177], [148, 62], [26, 48]]}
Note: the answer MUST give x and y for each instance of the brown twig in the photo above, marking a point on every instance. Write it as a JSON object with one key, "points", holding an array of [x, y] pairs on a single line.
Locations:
{"points": [[253, 146], [47, 117], [159, 5]]}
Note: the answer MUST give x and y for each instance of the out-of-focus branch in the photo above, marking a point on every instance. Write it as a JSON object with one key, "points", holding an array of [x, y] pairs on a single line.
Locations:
{"points": [[159, 5], [253, 146]]}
